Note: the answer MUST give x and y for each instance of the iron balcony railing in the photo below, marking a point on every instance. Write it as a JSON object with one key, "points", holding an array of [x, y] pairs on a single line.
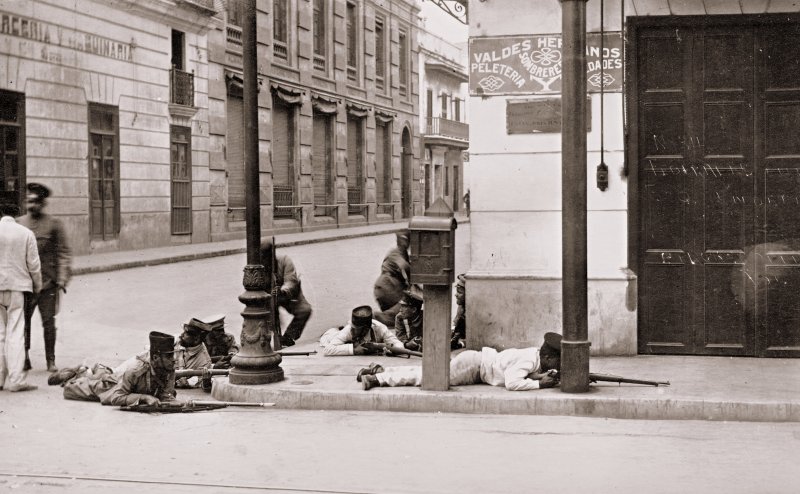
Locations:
{"points": [[181, 87], [283, 200], [438, 126], [234, 35]]}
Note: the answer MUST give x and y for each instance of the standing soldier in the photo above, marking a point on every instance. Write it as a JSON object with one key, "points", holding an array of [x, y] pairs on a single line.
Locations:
{"points": [[55, 257]]}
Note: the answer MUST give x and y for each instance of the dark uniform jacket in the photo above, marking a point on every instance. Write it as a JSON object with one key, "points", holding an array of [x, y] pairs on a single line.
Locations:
{"points": [[394, 278], [54, 253], [287, 282]]}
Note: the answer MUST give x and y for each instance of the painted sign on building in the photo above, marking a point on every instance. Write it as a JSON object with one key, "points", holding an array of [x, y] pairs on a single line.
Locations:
{"points": [[532, 64]]}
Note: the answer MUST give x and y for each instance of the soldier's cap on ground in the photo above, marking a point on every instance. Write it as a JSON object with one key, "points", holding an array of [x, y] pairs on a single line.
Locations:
{"points": [[196, 325], [361, 317], [553, 340], [215, 321], [161, 342], [39, 190], [411, 297]]}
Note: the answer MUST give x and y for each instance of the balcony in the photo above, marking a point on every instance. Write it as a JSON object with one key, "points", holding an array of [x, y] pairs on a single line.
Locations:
{"points": [[446, 131], [234, 35], [181, 87]]}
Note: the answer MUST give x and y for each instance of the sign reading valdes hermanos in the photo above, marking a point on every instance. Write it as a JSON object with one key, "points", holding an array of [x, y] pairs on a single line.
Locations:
{"points": [[532, 64]]}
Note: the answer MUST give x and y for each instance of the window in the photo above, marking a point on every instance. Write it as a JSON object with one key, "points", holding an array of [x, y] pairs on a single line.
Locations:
{"points": [[444, 99], [446, 180], [177, 49], [103, 171], [380, 54], [383, 162], [320, 38], [322, 157], [235, 11], [181, 178], [352, 41], [12, 159], [457, 109], [355, 162], [283, 131], [403, 61], [280, 29], [429, 104]]}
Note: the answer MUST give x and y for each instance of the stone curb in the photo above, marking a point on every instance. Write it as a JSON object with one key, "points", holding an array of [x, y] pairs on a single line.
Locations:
{"points": [[167, 259], [414, 400]]}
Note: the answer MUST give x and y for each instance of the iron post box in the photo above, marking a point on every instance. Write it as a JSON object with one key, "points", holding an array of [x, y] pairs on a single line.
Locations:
{"points": [[432, 242]]}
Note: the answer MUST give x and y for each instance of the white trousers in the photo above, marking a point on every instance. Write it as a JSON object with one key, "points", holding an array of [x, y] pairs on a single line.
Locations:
{"points": [[465, 368], [12, 337]]}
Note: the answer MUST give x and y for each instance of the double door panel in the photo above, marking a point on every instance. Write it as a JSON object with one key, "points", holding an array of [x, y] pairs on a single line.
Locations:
{"points": [[712, 208]]}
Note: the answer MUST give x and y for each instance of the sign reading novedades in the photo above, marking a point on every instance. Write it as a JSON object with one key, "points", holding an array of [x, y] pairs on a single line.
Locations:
{"points": [[532, 64]]}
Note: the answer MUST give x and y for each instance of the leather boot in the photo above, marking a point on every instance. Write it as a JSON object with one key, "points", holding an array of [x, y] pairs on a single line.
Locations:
{"points": [[27, 365], [51, 365], [369, 381]]}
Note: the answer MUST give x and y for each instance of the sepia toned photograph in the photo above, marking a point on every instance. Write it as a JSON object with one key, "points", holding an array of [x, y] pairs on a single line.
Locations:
{"points": [[399, 246]]}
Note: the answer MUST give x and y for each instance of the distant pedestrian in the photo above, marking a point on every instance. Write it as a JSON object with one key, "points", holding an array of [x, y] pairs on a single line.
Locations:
{"points": [[393, 280], [20, 272], [288, 291], [360, 336], [516, 369], [56, 264], [466, 202]]}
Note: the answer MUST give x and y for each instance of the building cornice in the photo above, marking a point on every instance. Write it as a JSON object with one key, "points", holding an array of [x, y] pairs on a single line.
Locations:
{"points": [[193, 16]]}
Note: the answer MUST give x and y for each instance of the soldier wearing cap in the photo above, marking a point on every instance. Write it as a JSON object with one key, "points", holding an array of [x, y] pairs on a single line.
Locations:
{"points": [[408, 323], [516, 369], [149, 381], [393, 280], [460, 321], [289, 292], [55, 258], [191, 353], [221, 346], [361, 335]]}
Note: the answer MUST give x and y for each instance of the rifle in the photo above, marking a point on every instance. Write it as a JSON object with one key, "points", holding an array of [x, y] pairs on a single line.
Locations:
{"points": [[402, 351], [593, 377], [296, 354], [609, 378], [204, 373], [190, 406]]}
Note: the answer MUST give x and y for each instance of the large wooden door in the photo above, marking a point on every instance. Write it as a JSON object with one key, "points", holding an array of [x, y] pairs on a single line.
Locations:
{"points": [[712, 210]]}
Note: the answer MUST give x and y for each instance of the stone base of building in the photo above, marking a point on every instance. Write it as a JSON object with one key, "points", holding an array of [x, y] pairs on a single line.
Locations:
{"points": [[508, 311]]}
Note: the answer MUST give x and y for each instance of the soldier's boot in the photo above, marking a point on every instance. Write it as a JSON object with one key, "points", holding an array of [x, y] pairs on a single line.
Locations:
{"points": [[51, 365], [369, 381], [27, 365], [371, 370]]}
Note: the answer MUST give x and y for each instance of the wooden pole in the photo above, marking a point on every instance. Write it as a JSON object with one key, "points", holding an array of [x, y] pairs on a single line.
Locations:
{"points": [[575, 343], [436, 337]]}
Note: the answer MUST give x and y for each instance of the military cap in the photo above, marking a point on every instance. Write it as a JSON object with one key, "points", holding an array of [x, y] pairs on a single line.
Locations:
{"points": [[411, 298], [161, 342], [403, 235], [215, 321], [39, 190], [462, 280], [197, 325], [361, 317], [553, 340]]}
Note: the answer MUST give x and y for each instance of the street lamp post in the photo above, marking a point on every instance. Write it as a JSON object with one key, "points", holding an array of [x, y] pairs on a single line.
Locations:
{"points": [[575, 343], [256, 362]]}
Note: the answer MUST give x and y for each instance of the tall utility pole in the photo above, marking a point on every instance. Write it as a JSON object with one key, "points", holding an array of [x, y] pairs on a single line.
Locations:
{"points": [[256, 363], [575, 343]]}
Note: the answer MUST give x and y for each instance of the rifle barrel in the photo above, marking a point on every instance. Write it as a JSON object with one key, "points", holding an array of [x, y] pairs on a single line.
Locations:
{"points": [[229, 403], [296, 354], [623, 380]]}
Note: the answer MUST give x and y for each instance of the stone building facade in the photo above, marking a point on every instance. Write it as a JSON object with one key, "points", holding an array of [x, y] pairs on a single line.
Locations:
{"points": [[338, 115], [106, 103]]}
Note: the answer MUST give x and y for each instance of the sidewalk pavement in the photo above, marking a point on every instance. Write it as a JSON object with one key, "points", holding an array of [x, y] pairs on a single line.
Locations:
{"points": [[112, 261], [702, 388]]}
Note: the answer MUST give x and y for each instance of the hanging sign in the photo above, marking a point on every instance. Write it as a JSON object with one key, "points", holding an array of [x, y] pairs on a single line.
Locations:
{"points": [[532, 64], [538, 116]]}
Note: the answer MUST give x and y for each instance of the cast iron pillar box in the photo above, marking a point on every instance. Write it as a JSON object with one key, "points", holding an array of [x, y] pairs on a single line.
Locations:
{"points": [[432, 238]]}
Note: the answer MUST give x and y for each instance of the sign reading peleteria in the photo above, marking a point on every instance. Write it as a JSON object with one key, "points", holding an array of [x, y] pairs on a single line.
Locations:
{"points": [[532, 64]]}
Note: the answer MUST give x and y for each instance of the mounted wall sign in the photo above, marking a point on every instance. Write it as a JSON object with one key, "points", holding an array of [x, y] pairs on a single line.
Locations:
{"points": [[532, 64], [538, 116]]}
